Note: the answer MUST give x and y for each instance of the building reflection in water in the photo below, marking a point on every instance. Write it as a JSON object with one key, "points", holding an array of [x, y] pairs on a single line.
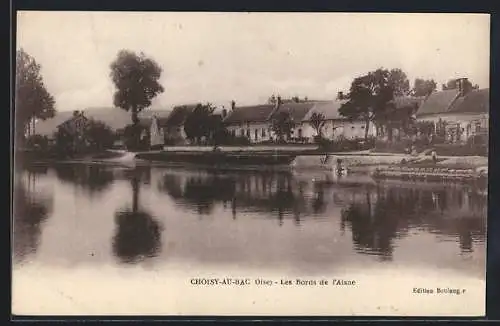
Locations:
{"points": [[375, 214], [30, 210], [376, 218], [272, 193], [138, 234]]}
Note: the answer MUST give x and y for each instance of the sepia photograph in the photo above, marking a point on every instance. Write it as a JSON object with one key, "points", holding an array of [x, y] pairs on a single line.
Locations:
{"points": [[250, 164]]}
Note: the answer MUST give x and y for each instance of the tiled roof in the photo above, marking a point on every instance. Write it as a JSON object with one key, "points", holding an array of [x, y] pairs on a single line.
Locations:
{"points": [[297, 110], [477, 101], [330, 110], [406, 101], [255, 113], [438, 102]]}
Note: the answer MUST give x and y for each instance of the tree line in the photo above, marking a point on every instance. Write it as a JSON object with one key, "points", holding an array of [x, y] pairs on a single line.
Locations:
{"points": [[136, 79]]}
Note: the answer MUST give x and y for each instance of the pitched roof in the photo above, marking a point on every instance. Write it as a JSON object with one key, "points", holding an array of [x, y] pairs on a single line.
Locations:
{"points": [[438, 102], [115, 118], [254, 113], [329, 109], [476, 101], [407, 101], [297, 110]]}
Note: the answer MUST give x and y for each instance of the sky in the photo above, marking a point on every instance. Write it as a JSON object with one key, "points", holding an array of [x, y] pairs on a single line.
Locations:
{"points": [[246, 57]]}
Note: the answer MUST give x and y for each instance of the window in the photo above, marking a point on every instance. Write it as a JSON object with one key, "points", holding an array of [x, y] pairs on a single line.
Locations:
{"points": [[248, 133], [352, 127], [362, 127], [242, 132], [263, 132], [300, 133], [256, 134]]}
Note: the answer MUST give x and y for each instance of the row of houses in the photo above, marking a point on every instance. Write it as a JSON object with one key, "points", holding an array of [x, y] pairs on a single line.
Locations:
{"points": [[466, 113]]}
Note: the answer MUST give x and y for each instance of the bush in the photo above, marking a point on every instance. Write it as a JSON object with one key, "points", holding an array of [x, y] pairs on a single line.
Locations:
{"points": [[342, 144], [37, 142], [481, 139], [462, 149], [132, 138]]}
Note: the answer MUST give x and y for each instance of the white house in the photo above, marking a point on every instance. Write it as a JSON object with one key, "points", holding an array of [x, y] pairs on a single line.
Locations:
{"points": [[255, 122], [335, 125]]}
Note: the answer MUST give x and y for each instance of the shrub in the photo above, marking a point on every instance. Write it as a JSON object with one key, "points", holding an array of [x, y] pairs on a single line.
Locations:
{"points": [[343, 144], [462, 149], [132, 138], [37, 142]]}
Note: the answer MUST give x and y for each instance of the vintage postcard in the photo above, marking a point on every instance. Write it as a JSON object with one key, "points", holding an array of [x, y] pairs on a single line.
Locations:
{"points": [[258, 164]]}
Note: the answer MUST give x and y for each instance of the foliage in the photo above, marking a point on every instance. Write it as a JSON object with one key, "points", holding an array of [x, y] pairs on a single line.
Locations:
{"points": [[200, 123], [132, 137], [37, 142], [98, 135], [343, 144], [136, 79], [399, 82], [317, 122], [370, 94], [423, 87], [64, 142], [461, 149], [95, 136], [282, 124], [33, 100], [481, 139]]}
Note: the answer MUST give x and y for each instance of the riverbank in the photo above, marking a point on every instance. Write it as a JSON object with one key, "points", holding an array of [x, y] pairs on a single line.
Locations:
{"points": [[364, 162]]}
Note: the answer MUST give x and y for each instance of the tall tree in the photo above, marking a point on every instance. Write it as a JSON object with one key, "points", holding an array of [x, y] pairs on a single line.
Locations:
{"points": [[282, 124], [368, 97], [423, 87], [33, 100], [317, 122], [136, 79]]}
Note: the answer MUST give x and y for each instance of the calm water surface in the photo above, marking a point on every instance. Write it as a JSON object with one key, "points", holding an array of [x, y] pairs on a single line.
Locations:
{"points": [[73, 216]]}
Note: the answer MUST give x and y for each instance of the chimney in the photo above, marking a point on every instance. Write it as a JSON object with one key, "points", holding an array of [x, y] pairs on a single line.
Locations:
{"points": [[278, 101], [224, 113], [233, 105], [463, 86], [76, 113], [340, 95]]}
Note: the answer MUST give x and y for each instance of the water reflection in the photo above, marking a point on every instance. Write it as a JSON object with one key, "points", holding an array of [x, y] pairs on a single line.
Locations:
{"points": [[138, 234], [30, 211], [379, 217], [92, 178], [276, 193], [260, 219]]}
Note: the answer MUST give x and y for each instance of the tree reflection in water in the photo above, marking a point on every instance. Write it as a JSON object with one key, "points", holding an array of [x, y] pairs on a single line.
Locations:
{"points": [[379, 217], [92, 178], [138, 234], [30, 211], [250, 192]]}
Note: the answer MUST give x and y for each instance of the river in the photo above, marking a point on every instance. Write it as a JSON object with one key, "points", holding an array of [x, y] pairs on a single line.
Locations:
{"points": [[78, 225]]}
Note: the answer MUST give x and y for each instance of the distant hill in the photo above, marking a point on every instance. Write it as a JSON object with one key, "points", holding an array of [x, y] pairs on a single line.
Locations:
{"points": [[115, 118]]}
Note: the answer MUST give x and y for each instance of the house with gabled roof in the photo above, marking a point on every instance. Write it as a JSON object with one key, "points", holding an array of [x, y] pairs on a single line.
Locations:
{"points": [[463, 112], [335, 126], [255, 121]]}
